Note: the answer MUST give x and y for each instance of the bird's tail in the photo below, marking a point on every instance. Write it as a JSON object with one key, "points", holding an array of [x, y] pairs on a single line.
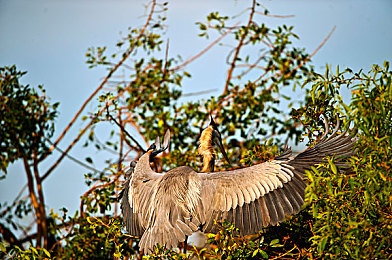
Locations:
{"points": [[164, 233]]}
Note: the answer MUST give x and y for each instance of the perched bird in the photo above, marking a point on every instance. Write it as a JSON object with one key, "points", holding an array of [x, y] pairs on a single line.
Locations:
{"points": [[209, 137], [167, 208]]}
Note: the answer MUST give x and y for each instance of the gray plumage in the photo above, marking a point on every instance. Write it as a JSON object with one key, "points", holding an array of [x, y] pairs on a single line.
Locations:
{"points": [[166, 208]]}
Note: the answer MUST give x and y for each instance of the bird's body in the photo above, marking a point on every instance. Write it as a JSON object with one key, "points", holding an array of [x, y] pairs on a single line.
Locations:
{"points": [[206, 150], [166, 208]]}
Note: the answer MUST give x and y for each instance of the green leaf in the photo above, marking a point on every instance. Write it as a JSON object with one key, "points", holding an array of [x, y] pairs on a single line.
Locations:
{"points": [[3, 248], [274, 242], [46, 252], [322, 244]]}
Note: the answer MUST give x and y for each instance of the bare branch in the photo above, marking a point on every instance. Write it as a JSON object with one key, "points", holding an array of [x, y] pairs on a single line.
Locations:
{"points": [[81, 133], [33, 198], [238, 48], [125, 56], [42, 220], [251, 66], [74, 159], [275, 15], [203, 51], [9, 236], [125, 131], [199, 92]]}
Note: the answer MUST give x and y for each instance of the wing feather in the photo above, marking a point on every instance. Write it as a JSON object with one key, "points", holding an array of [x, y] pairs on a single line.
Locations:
{"points": [[250, 197], [247, 196], [278, 206], [264, 194], [265, 211]]}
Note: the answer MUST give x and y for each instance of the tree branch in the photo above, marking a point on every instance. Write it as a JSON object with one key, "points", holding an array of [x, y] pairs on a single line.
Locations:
{"points": [[203, 51], [238, 48], [125, 56], [33, 198], [9, 236], [41, 202], [74, 159], [275, 15], [125, 131]]}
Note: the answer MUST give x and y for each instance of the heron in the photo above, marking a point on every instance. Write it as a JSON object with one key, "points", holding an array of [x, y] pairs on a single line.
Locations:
{"points": [[167, 208]]}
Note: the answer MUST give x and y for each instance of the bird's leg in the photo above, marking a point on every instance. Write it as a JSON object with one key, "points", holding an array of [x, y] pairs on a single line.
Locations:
{"points": [[185, 244]]}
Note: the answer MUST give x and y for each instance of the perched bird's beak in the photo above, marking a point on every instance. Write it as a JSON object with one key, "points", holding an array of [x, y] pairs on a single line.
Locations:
{"points": [[220, 145]]}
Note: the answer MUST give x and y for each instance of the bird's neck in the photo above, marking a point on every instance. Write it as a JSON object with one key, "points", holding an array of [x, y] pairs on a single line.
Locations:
{"points": [[206, 150]]}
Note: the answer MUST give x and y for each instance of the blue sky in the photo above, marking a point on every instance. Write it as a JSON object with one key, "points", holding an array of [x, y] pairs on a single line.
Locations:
{"points": [[49, 39]]}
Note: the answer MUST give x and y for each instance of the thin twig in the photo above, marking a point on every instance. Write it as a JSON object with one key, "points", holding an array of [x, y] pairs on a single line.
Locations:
{"points": [[232, 66], [275, 15], [81, 133], [313, 53], [203, 51], [279, 73], [190, 94], [74, 159], [251, 66], [125, 56], [125, 131], [100, 112]]}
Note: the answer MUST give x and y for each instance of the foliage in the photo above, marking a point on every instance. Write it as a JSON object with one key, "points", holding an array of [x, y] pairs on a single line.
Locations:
{"points": [[30, 253], [27, 123], [26, 119], [231, 246], [347, 214], [261, 153], [352, 210]]}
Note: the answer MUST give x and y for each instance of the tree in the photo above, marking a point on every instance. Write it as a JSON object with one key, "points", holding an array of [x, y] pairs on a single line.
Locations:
{"points": [[249, 110], [27, 122]]}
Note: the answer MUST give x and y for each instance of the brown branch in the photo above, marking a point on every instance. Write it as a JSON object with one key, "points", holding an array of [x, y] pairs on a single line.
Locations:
{"points": [[42, 221], [74, 159], [81, 133], [9, 236], [33, 198], [279, 73], [94, 187], [238, 48], [125, 56], [251, 66], [313, 53], [203, 51], [275, 15], [120, 159], [124, 131]]}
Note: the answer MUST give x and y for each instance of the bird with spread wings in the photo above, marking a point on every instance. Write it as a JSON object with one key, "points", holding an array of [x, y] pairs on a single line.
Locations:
{"points": [[167, 208]]}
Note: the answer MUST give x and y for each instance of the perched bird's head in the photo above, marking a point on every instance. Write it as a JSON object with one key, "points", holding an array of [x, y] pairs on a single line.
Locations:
{"points": [[209, 137]]}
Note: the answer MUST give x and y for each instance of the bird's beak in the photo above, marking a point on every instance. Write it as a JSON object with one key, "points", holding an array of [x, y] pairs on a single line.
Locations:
{"points": [[220, 145]]}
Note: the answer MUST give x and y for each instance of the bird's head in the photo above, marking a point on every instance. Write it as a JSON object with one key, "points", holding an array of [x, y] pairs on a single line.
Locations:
{"points": [[158, 147], [216, 138]]}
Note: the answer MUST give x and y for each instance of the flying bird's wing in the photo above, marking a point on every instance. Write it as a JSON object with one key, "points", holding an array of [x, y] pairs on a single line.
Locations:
{"points": [[138, 192], [261, 195], [137, 196], [166, 208]]}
